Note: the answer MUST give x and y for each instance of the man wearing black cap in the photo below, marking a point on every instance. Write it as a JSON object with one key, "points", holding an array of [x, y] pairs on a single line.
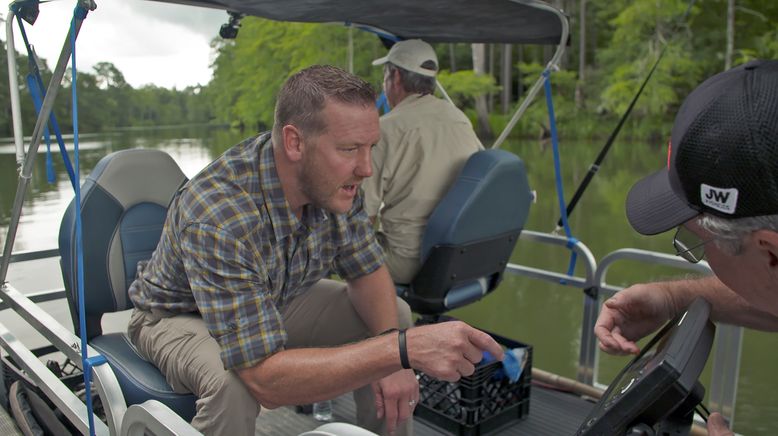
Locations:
{"points": [[720, 192]]}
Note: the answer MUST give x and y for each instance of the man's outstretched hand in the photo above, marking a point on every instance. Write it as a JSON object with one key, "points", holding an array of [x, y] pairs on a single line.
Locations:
{"points": [[717, 426], [449, 350], [630, 315]]}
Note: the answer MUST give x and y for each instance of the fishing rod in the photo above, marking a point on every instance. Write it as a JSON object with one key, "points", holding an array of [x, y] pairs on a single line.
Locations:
{"points": [[594, 167]]}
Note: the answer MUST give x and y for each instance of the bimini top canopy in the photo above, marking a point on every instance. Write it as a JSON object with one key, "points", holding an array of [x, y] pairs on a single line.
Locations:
{"points": [[493, 21]]}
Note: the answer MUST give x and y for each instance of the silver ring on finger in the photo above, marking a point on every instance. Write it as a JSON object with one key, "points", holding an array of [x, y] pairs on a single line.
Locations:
{"points": [[412, 403]]}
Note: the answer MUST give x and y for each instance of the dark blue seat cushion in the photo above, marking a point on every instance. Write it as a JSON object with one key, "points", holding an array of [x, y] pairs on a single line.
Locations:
{"points": [[139, 379]]}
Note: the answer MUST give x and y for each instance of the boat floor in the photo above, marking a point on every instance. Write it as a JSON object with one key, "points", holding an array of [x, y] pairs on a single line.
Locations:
{"points": [[551, 413], [7, 425]]}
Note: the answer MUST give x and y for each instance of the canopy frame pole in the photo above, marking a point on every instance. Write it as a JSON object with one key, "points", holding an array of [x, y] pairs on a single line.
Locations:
{"points": [[552, 65], [29, 160], [13, 84]]}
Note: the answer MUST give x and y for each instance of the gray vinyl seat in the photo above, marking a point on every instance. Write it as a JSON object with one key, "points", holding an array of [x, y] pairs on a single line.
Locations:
{"points": [[124, 203], [470, 234]]}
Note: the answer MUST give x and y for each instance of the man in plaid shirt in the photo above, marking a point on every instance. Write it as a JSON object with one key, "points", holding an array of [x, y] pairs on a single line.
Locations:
{"points": [[235, 306]]}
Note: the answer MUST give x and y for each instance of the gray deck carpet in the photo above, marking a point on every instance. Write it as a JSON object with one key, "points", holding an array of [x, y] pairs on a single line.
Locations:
{"points": [[551, 413]]}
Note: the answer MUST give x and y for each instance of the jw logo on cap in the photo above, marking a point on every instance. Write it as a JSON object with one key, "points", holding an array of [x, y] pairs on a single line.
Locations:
{"points": [[723, 200]]}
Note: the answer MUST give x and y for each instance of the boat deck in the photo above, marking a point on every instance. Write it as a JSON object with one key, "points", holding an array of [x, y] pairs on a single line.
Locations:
{"points": [[551, 413]]}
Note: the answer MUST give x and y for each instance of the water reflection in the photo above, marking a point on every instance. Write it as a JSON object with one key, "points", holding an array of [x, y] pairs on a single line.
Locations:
{"points": [[545, 315], [45, 202]]}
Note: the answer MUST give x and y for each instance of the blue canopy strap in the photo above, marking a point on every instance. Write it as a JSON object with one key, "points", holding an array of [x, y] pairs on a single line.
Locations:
{"points": [[382, 104], [571, 241], [38, 93], [79, 14], [374, 30]]}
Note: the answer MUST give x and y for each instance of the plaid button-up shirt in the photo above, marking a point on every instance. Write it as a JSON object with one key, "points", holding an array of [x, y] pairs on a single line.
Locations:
{"points": [[232, 250]]}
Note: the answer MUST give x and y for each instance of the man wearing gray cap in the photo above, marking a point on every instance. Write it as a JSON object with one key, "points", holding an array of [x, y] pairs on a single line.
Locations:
{"points": [[424, 143], [720, 190]]}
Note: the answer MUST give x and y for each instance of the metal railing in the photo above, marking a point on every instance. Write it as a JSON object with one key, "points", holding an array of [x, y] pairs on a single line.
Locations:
{"points": [[66, 342], [728, 342], [727, 345], [153, 417]]}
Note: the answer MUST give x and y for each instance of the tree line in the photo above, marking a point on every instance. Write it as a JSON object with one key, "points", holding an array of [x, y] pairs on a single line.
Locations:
{"points": [[105, 101], [613, 45]]}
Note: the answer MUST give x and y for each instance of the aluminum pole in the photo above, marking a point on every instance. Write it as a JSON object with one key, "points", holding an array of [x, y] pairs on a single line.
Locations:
{"points": [[32, 151], [13, 85]]}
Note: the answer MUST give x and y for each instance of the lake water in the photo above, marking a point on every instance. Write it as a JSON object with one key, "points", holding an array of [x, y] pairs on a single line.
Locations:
{"points": [[545, 315]]}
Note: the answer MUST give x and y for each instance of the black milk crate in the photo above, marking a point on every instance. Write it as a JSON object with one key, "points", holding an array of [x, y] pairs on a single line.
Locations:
{"points": [[478, 404]]}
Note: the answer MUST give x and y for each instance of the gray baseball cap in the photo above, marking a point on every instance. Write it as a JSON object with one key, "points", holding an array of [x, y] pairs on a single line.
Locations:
{"points": [[411, 55]]}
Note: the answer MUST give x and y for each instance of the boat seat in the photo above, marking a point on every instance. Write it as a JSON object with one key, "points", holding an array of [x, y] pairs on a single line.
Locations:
{"points": [[470, 234], [124, 202]]}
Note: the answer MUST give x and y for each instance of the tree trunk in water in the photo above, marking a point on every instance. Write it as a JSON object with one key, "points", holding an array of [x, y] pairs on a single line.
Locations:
{"points": [[506, 78], [350, 55], [490, 101], [730, 34], [579, 96], [519, 61], [479, 68]]}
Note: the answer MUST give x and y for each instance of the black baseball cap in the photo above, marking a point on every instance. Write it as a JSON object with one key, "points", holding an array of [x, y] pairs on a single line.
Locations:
{"points": [[723, 154]]}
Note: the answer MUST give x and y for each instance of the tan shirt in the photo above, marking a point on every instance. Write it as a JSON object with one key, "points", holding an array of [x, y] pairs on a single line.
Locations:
{"points": [[424, 143]]}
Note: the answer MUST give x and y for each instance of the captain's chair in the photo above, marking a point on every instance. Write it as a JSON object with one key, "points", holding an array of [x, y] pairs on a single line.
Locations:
{"points": [[124, 202], [471, 234]]}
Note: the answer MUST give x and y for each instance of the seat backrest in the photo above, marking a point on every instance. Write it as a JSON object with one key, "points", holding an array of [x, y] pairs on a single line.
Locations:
{"points": [[471, 233], [124, 202]]}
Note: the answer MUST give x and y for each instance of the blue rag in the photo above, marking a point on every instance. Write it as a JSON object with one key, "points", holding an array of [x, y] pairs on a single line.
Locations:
{"points": [[512, 364]]}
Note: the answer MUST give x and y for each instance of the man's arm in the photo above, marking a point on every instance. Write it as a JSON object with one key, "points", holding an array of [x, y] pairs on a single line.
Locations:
{"points": [[371, 362], [446, 351], [726, 305], [641, 309], [375, 299], [305, 375]]}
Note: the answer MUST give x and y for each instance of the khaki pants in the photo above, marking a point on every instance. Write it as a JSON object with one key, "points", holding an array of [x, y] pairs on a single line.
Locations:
{"points": [[181, 347]]}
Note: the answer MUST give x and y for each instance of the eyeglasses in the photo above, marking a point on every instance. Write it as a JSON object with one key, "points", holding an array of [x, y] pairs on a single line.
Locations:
{"points": [[688, 245]]}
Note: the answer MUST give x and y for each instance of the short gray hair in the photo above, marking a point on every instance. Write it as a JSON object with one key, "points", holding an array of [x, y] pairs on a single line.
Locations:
{"points": [[730, 233], [304, 95], [413, 82]]}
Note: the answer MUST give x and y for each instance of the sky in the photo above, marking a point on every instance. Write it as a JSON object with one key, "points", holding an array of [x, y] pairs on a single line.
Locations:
{"points": [[149, 42]]}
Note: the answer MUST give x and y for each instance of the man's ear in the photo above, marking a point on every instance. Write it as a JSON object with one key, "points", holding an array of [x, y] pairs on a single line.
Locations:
{"points": [[292, 143], [396, 79], [767, 241]]}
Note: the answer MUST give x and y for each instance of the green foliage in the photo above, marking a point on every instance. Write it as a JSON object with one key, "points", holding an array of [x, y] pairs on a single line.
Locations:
{"points": [[624, 38], [249, 72], [765, 47], [642, 30], [463, 86], [535, 120]]}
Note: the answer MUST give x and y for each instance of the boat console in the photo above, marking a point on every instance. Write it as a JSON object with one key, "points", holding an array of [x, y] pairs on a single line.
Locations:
{"points": [[658, 391]]}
